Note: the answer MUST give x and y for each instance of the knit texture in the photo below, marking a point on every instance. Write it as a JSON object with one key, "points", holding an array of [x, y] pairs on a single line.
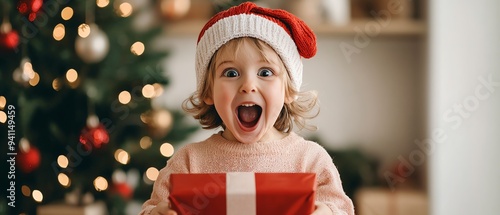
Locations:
{"points": [[290, 154], [289, 36]]}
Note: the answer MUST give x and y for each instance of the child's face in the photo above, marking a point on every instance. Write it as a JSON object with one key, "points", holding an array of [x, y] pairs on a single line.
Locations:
{"points": [[248, 92]]}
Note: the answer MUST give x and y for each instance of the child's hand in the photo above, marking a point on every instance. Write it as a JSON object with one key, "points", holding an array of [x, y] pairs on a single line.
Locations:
{"points": [[162, 209], [321, 209]]}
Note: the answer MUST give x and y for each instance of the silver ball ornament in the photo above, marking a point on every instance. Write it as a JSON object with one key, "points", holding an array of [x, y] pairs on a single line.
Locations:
{"points": [[94, 47]]}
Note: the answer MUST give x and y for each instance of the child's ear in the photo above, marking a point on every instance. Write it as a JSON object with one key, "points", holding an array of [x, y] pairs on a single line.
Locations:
{"points": [[208, 101]]}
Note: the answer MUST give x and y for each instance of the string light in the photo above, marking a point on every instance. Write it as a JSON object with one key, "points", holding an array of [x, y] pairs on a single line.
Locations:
{"points": [[122, 156], [125, 9], [28, 71], [102, 3], [63, 180], [62, 161], [26, 191], [100, 184], [3, 117], [145, 142], [59, 32], [35, 80], [148, 91], [137, 48], [83, 30], [124, 97], [37, 195], [3, 102], [24, 145], [56, 84], [167, 150], [67, 13], [71, 75], [152, 173]]}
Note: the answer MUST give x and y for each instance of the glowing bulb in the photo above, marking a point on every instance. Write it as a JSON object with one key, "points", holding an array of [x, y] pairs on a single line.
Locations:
{"points": [[145, 142], [124, 97], [37, 195], [28, 71], [84, 30], [71, 75], [26, 190], [24, 145], [100, 184], [63, 180], [59, 32], [3, 102], [122, 156], [3, 117], [102, 3], [62, 161], [67, 13], [152, 173], [166, 149], [35, 80], [148, 91], [125, 9], [56, 84], [137, 48]]}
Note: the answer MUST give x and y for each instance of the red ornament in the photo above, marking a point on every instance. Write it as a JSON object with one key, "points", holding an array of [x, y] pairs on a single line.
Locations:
{"points": [[123, 190], [9, 40], [94, 137], [29, 8], [29, 160]]}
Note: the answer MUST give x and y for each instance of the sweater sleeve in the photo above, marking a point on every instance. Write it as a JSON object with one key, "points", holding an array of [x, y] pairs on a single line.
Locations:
{"points": [[178, 163], [329, 189]]}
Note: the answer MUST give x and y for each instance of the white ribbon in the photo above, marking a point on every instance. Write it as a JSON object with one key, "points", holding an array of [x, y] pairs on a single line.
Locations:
{"points": [[240, 193]]}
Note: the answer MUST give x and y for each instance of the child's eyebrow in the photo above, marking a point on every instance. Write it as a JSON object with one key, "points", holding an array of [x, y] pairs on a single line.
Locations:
{"points": [[223, 62]]}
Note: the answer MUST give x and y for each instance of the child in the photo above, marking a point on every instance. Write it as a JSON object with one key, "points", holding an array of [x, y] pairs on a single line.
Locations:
{"points": [[249, 72]]}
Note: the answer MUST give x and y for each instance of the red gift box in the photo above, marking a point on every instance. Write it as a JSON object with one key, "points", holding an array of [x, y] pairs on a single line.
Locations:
{"points": [[243, 193]]}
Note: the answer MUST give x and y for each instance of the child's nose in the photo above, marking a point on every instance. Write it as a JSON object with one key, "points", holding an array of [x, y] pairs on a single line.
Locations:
{"points": [[248, 85]]}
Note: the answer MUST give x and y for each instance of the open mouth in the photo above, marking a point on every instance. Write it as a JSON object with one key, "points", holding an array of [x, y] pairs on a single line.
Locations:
{"points": [[249, 114]]}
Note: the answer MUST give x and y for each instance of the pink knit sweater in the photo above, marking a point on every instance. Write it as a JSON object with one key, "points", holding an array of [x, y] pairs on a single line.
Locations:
{"points": [[290, 154]]}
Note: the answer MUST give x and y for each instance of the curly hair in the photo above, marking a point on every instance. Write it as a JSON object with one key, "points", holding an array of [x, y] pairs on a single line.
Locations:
{"points": [[305, 105]]}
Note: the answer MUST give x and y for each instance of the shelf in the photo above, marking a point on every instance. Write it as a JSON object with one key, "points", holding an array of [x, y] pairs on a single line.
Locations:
{"points": [[394, 27]]}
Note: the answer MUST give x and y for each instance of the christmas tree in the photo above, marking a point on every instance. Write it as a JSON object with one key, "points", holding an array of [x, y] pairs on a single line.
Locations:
{"points": [[77, 80]]}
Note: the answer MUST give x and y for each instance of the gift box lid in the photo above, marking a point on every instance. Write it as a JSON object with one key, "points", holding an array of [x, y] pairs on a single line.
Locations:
{"points": [[246, 193]]}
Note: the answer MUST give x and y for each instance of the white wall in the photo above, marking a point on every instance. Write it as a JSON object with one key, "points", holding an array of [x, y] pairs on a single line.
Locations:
{"points": [[463, 110], [372, 102]]}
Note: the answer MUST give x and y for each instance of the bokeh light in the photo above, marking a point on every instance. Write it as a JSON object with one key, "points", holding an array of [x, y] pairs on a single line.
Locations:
{"points": [[167, 149], [145, 142], [59, 32], [67, 13], [62, 161], [137, 48], [37, 195], [100, 184], [63, 180], [124, 97]]}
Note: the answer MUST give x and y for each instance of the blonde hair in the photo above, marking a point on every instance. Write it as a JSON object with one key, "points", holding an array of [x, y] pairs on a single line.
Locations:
{"points": [[296, 112]]}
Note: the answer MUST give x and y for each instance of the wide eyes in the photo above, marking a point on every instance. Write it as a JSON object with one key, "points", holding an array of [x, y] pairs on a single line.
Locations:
{"points": [[233, 73], [265, 72]]}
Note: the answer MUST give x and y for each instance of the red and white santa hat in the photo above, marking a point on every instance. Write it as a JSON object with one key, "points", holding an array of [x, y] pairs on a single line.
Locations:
{"points": [[289, 36]]}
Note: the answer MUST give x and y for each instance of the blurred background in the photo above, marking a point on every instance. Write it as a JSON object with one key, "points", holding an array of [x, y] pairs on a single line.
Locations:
{"points": [[90, 96]]}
